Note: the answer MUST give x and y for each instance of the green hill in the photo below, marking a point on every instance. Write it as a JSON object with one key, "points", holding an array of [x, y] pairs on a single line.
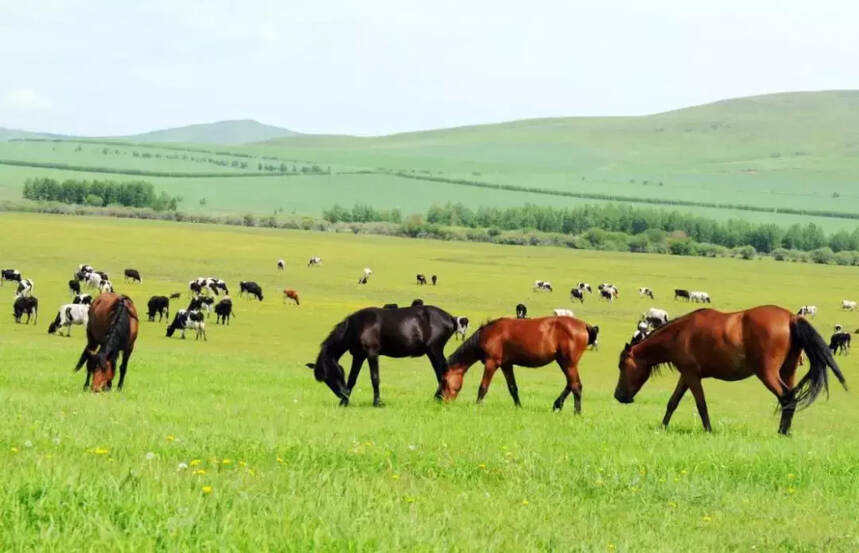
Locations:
{"points": [[222, 132], [16, 134]]}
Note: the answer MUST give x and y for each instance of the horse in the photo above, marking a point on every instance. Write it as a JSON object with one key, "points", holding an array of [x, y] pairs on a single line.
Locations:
{"points": [[291, 294], [764, 341], [525, 342], [111, 329], [370, 332]]}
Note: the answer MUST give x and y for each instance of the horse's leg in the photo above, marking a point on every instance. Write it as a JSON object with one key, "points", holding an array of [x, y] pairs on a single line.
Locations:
{"points": [[574, 383], [488, 372], [373, 361], [782, 385], [511, 384], [694, 383], [439, 365], [357, 362], [675, 400]]}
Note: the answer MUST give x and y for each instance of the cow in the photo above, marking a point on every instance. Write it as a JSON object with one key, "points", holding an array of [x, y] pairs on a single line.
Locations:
{"points": [[840, 343], [9, 275], [291, 294], [68, 315], [563, 312], [184, 320], [26, 305], [461, 327], [608, 294], [521, 311], [83, 299], [25, 287], [74, 287], [102, 274], [655, 317], [93, 280], [422, 279], [848, 305], [175, 295], [699, 297], [416, 302], [807, 310], [679, 293], [641, 333], [133, 275], [217, 285], [577, 294], [314, 262], [202, 303], [542, 285], [434, 279], [644, 291], [281, 264], [224, 311], [585, 286], [611, 288], [250, 288], [105, 287], [159, 305]]}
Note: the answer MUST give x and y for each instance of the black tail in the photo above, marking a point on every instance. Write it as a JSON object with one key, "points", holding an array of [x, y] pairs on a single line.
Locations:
{"points": [[819, 358]]}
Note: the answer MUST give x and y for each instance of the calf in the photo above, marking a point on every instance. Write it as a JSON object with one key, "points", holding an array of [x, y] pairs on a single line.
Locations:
{"points": [[223, 311], [281, 264], [25, 287], [840, 343], [461, 327], [10, 275], [26, 305], [202, 303], [644, 291], [133, 275], [185, 320], [68, 315], [159, 305], [74, 287], [250, 288], [289, 293], [422, 279], [678, 293], [563, 312], [577, 294], [83, 299], [521, 311]]}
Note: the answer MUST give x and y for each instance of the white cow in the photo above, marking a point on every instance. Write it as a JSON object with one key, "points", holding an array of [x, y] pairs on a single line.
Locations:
{"points": [[848, 305], [699, 297], [281, 264], [655, 317], [68, 315], [563, 313], [93, 280], [105, 286]]}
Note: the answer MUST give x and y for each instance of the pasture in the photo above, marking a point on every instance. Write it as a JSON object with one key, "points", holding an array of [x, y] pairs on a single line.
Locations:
{"points": [[231, 444]]}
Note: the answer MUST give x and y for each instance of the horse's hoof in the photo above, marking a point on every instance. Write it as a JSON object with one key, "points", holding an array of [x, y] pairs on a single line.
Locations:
{"points": [[344, 402], [378, 403]]}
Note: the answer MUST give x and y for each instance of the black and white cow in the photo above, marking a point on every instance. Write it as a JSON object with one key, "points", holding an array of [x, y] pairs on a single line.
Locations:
{"points": [[699, 297], [83, 299], [585, 286], [281, 264], [188, 320], [608, 294], [133, 275], [74, 287], [680, 293], [644, 291], [655, 317], [365, 276], [577, 294], [521, 311], [461, 327], [196, 287], [105, 287], [250, 288], [807, 311], [159, 305], [542, 286], [25, 287], [102, 274], [641, 333], [68, 315], [421, 278], [26, 305], [202, 303], [217, 285], [314, 262], [93, 280], [224, 311], [11, 275]]}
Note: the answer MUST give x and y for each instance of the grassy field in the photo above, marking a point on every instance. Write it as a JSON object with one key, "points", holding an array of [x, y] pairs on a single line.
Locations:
{"points": [[231, 445]]}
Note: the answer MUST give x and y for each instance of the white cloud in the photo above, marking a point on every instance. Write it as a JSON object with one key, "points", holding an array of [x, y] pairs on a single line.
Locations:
{"points": [[27, 99]]}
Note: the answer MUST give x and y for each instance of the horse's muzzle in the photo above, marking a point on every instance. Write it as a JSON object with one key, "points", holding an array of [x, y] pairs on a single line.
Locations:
{"points": [[622, 397]]}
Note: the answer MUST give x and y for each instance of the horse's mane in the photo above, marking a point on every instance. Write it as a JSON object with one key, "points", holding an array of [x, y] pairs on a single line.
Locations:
{"points": [[470, 348], [118, 334], [333, 345]]}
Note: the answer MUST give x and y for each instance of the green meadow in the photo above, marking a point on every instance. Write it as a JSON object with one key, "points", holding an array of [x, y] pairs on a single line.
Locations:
{"points": [[230, 444]]}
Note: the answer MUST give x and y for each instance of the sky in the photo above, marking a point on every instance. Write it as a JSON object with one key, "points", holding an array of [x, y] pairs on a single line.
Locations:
{"points": [[372, 67]]}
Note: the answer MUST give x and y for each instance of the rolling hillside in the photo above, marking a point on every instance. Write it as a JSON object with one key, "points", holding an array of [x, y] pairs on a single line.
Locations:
{"points": [[223, 132]]}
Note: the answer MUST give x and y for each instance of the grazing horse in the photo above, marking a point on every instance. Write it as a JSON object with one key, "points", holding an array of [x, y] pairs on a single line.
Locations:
{"points": [[679, 293], [371, 332], [521, 311], [112, 328], [289, 293], [763, 341], [503, 343]]}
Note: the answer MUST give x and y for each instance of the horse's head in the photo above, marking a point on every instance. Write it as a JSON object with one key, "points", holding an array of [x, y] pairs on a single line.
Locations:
{"points": [[469, 353], [633, 375], [328, 369], [102, 369]]}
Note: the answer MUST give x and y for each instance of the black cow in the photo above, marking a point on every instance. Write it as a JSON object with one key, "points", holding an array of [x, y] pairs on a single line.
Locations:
{"points": [[202, 303], [251, 288], [416, 302], [74, 287], [9, 274], [85, 299], [223, 311], [133, 275], [840, 343], [422, 279], [28, 305], [175, 295], [159, 305], [521, 311], [434, 279], [678, 293]]}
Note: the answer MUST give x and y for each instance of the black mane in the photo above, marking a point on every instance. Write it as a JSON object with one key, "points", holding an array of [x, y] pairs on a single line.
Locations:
{"points": [[118, 334], [470, 348]]}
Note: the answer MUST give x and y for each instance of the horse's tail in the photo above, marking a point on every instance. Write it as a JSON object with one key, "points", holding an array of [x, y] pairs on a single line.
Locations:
{"points": [[118, 334], [819, 359]]}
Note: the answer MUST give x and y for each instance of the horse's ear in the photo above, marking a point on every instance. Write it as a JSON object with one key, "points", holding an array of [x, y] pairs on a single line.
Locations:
{"points": [[310, 365]]}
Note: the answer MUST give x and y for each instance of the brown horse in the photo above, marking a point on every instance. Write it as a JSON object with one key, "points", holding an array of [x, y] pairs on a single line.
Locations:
{"points": [[764, 341], [503, 343], [291, 294], [112, 328]]}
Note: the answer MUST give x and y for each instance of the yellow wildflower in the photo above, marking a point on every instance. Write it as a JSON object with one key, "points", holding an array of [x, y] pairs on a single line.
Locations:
{"points": [[207, 489], [194, 462]]}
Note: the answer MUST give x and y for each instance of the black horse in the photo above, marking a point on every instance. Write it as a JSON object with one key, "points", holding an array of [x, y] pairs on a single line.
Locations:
{"points": [[371, 332]]}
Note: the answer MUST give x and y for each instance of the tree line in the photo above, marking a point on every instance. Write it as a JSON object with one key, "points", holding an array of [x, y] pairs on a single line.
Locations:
{"points": [[100, 193]]}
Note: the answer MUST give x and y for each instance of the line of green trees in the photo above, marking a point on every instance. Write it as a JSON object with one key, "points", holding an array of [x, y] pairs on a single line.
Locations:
{"points": [[641, 229], [100, 193]]}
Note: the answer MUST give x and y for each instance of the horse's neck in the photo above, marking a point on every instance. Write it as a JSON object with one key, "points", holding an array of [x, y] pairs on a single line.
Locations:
{"points": [[656, 348]]}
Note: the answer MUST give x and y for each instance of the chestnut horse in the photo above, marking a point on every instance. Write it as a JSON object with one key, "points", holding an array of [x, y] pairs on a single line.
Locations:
{"points": [[764, 341], [291, 294], [503, 343], [112, 328]]}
